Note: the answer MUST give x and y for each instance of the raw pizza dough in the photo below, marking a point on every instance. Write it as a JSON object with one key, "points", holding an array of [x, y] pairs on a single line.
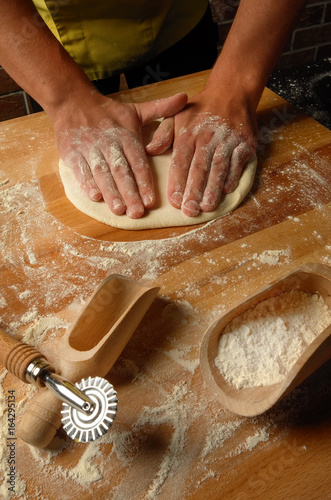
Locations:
{"points": [[162, 214]]}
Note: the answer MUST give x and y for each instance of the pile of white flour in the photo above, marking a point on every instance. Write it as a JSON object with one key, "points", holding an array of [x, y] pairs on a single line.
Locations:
{"points": [[260, 346]]}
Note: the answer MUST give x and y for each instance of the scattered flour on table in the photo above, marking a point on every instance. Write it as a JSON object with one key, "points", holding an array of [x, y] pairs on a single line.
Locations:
{"points": [[24, 295], [3, 302], [179, 411], [175, 413], [260, 346], [180, 357], [36, 333], [252, 441], [260, 436], [85, 471], [271, 257], [219, 434], [20, 485]]}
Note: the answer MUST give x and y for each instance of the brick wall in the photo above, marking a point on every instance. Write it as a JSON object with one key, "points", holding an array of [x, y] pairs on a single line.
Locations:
{"points": [[310, 41], [13, 101]]}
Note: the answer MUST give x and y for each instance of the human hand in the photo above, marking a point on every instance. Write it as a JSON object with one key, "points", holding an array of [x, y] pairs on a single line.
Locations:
{"points": [[100, 140], [213, 142]]}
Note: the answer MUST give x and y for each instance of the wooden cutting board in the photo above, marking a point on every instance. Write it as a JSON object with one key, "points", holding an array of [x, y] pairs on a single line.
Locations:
{"points": [[171, 438], [158, 371]]}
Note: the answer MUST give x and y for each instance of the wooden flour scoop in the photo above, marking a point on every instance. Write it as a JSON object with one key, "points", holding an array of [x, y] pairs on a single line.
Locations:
{"points": [[89, 349], [311, 278]]}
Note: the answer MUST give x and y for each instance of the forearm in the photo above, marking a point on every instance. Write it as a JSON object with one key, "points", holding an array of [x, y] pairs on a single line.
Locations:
{"points": [[36, 60], [252, 48], [216, 135]]}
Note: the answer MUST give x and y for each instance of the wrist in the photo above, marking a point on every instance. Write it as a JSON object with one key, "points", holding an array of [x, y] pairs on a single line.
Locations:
{"points": [[66, 97], [60, 81], [236, 83]]}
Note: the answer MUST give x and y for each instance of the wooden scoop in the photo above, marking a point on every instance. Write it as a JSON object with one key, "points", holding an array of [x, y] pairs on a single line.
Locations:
{"points": [[89, 348], [311, 278]]}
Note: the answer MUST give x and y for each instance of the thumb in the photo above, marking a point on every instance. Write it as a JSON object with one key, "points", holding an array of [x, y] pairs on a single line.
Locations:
{"points": [[163, 137], [168, 106]]}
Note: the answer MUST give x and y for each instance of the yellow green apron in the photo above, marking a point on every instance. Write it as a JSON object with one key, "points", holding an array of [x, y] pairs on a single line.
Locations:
{"points": [[107, 36]]}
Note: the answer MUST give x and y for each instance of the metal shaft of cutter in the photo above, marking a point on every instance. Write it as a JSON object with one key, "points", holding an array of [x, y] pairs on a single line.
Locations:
{"points": [[41, 373], [69, 393]]}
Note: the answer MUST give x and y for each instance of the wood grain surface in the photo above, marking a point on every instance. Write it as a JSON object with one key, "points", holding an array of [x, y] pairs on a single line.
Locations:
{"points": [[172, 438]]}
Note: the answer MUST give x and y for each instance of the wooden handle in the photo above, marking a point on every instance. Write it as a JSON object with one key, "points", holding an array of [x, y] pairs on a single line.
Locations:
{"points": [[41, 420], [15, 355]]}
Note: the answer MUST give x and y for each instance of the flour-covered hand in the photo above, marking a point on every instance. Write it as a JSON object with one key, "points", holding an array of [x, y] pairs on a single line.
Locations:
{"points": [[101, 142], [212, 144]]}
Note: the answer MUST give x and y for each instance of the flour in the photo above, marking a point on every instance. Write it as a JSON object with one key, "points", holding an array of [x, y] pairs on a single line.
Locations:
{"points": [[260, 346], [85, 471], [180, 357], [272, 257], [260, 436], [3, 302], [20, 485], [37, 332], [176, 414], [24, 295], [219, 434]]}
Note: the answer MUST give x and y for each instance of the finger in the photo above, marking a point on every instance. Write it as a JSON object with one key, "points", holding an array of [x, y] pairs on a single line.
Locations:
{"points": [[197, 179], [84, 177], [106, 184], [240, 156], [149, 111], [163, 137], [137, 159], [124, 180], [178, 172], [217, 175]]}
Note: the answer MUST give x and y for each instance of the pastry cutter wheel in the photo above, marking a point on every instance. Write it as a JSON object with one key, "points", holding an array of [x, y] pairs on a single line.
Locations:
{"points": [[89, 407], [86, 352]]}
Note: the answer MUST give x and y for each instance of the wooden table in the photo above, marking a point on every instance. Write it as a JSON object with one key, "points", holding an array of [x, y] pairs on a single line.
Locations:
{"points": [[171, 438]]}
